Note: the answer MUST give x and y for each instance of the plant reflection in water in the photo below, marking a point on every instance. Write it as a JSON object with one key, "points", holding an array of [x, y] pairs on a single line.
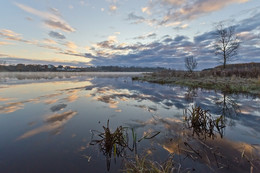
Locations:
{"points": [[203, 124], [116, 143]]}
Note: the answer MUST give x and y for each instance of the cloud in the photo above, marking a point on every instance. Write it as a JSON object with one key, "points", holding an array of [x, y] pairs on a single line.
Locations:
{"points": [[132, 16], [71, 45], [4, 43], [56, 35], [177, 12], [10, 35], [146, 36], [112, 8], [58, 24], [49, 41], [140, 19], [146, 10], [170, 52], [52, 19], [198, 8]]}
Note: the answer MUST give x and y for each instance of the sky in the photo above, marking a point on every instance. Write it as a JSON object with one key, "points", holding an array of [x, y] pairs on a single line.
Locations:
{"points": [[147, 33]]}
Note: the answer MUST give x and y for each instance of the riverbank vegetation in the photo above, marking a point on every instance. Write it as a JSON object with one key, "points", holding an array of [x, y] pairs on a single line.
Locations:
{"points": [[235, 78]]}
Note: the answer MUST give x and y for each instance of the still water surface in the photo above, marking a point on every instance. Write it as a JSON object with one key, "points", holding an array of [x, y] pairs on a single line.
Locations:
{"points": [[46, 121]]}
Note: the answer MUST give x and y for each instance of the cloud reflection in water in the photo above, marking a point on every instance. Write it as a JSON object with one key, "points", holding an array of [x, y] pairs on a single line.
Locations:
{"points": [[53, 122]]}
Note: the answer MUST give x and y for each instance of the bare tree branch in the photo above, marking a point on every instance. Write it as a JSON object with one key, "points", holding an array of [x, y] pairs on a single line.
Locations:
{"points": [[190, 63], [226, 43]]}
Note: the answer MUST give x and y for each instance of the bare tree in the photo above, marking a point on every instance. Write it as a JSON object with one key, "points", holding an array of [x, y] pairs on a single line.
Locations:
{"points": [[226, 43], [190, 63]]}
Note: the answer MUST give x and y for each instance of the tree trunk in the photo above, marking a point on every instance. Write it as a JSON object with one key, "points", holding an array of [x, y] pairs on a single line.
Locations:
{"points": [[225, 59]]}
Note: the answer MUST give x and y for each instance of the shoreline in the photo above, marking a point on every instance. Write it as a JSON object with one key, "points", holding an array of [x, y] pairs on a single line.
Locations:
{"points": [[223, 84]]}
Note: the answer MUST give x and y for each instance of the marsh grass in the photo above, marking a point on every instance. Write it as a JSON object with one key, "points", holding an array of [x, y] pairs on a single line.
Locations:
{"points": [[145, 165], [202, 123], [111, 143], [117, 143], [222, 80]]}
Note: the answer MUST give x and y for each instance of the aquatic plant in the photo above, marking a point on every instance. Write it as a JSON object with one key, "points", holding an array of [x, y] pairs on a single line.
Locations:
{"points": [[111, 142], [116, 143], [202, 123], [144, 164]]}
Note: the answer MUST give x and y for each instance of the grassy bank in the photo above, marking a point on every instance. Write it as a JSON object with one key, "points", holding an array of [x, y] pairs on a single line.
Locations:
{"points": [[230, 84]]}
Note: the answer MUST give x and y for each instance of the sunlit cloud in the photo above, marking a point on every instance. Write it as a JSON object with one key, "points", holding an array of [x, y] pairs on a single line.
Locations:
{"points": [[146, 10], [50, 101], [49, 41], [2, 99], [175, 12], [4, 43], [71, 45], [10, 35], [52, 19], [112, 7]]}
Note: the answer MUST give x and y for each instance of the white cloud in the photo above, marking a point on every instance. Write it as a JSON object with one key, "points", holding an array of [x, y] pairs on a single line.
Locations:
{"points": [[52, 20]]}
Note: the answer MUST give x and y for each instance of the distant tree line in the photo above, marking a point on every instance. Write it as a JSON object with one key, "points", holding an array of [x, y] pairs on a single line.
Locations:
{"points": [[42, 68]]}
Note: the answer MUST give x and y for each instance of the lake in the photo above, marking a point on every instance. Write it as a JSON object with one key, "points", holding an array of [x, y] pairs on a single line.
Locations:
{"points": [[51, 122]]}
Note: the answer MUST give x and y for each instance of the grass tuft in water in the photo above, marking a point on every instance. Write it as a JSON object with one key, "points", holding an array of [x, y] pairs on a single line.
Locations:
{"points": [[202, 123], [111, 142], [144, 164]]}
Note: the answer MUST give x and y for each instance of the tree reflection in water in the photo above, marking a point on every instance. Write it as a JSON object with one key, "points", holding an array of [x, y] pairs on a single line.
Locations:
{"points": [[227, 105], [190, 94]]}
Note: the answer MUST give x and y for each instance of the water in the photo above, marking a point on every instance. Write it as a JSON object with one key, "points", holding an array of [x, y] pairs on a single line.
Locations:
{"points": [[46, 121]]}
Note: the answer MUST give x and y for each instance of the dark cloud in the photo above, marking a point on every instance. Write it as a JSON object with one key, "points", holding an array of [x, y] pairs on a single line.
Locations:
{"points": [[132, 16], [249, 24], [180, 38], [204, 37], [150, 36], [59, 24], [56, 35]]}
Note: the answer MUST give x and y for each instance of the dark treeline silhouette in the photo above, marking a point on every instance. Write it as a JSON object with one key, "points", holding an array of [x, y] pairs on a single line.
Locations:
{"points": [[39, 68]]}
